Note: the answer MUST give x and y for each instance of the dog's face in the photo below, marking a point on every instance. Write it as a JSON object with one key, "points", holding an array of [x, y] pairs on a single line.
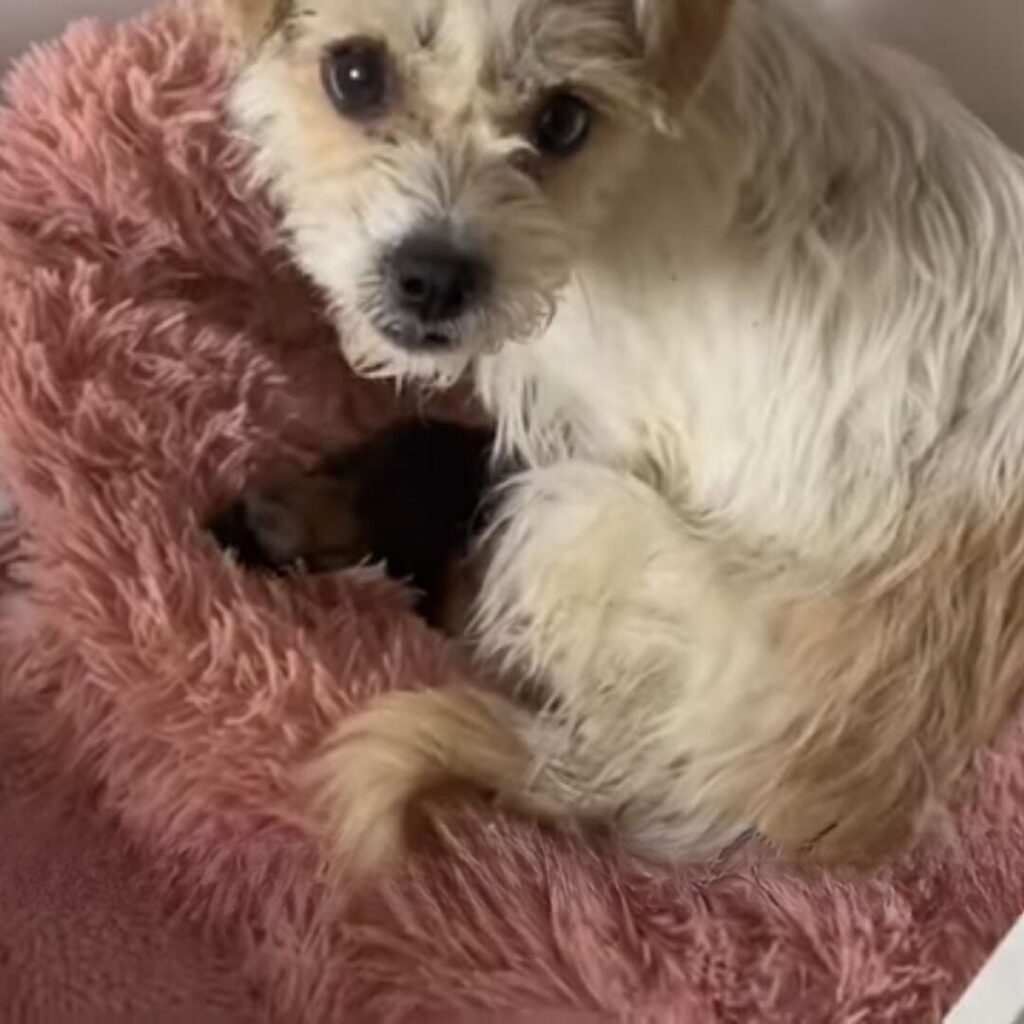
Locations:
{"points": [[442, 162]]}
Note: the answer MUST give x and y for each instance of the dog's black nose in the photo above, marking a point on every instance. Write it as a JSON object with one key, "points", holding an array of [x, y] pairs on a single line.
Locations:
{"points": [[436, 280]]}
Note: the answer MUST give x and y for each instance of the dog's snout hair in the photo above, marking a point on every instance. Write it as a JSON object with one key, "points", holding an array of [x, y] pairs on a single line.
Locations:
{"points": [[477, 201]]}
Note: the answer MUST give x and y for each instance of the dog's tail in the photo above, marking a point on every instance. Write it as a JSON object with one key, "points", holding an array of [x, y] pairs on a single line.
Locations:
{"points": [[380, 763]]}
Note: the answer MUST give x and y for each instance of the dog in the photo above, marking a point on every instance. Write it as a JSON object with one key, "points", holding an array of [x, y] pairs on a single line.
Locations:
{"points": [[744, 296]]}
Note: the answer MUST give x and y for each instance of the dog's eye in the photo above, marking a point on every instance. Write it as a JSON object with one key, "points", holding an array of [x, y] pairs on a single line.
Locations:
{"points": [[357, 77], [562, 125]]}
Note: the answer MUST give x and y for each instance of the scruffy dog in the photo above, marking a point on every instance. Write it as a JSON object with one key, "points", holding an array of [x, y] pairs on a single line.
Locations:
{"points": [[745, 298]]}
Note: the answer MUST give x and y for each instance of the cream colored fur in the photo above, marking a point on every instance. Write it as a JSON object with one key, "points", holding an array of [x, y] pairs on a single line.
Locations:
{"points": [[761, 351]]}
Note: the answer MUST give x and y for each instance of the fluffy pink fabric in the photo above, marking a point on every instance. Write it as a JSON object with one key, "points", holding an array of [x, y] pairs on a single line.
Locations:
{"points": [[157, 351]]}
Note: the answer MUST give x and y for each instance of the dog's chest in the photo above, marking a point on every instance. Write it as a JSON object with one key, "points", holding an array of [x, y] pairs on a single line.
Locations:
{"points": [[687, 376]]}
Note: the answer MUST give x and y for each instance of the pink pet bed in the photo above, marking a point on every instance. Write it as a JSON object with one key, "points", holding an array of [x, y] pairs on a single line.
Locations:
{"points": [[157, 351]]}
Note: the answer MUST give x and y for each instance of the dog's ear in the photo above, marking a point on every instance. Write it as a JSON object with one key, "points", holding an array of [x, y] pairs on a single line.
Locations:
{"points": [[680, 38], [249, 22]]}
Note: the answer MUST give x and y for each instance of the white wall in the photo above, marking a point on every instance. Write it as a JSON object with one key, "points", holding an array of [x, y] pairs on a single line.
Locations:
{"points": [[977, 44], [23, 21]]}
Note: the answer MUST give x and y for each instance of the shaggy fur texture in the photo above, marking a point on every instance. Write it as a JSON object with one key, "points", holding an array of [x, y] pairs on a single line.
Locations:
{"points": [[157, 353], [760, 345]]}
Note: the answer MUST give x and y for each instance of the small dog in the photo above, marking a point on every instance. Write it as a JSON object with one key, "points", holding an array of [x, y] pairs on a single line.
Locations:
{"points": [[745, 297]]}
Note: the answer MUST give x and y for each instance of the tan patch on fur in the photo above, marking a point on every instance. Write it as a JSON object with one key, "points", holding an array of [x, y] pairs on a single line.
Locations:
{"points": [[891, 688], [381, 763], [251, 21], [681, 38]]}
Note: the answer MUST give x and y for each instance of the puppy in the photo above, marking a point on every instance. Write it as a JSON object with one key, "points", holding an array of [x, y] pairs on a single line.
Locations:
{"points": [[412, 497], [745, 298]]}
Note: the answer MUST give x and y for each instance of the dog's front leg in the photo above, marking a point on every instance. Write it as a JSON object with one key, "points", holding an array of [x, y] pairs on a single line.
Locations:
{"points": [[600, 595], [603, 594]]}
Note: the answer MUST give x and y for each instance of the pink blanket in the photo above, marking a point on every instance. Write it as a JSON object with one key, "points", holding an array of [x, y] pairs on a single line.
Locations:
{"points": [[157, 350]]}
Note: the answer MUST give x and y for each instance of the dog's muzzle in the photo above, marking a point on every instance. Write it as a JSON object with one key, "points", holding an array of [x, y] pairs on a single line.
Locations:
{"points": [[431, 282]]}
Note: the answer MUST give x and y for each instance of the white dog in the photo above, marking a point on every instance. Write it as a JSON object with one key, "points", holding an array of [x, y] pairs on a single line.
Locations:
{"points": [[745, 297]]}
